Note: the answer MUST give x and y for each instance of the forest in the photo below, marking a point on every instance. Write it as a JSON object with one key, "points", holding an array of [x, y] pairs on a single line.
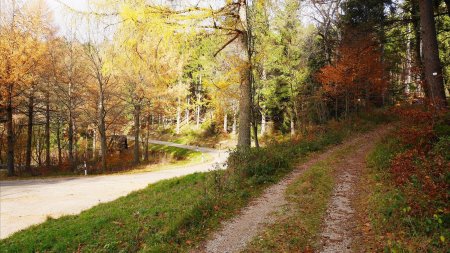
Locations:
{"points": [[271, 81]]}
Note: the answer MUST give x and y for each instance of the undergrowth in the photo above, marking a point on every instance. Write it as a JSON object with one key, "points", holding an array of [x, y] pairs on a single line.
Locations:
{"points": [[297, 228], [411, 172], [176, 215]]}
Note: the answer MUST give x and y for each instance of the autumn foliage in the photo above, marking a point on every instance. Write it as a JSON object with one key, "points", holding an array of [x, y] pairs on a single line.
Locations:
{"points": [[357, 73], [422, 168]]}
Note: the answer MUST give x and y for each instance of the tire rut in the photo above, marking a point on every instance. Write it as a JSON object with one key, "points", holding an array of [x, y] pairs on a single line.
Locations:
{"points": [[339, 230], [239, 231]]}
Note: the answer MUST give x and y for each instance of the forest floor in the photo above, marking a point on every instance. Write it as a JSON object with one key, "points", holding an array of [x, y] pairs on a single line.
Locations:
{"points": [[264, 225], [28, 202]]}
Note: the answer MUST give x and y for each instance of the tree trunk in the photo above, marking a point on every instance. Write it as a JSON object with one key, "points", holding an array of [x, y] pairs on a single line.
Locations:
{"points": [[199, 98], [178, 117], [244, 139], [137, 112], [225, 122], [255, 133], [197, 117], [233, 130], [70, 131], [187, 111], [263, 123], [102, 129], [58, 142], [292, 126], [94, 145], [47, 129], [408, 79], [29, 132], [255, 126], [147, 136], [70, 136], [245, 99], [418, 45], [10, 132], [433, 68], [39, 147]]}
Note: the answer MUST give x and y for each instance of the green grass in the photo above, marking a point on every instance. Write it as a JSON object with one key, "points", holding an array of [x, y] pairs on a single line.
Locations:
{"points": [[397, 227], [176, 215], [161, 218], [296, 229], [174, 152], [175, 158]]}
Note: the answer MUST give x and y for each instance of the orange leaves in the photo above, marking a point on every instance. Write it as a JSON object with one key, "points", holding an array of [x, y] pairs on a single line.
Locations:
{"points": [[357, 69], [418, 170]]}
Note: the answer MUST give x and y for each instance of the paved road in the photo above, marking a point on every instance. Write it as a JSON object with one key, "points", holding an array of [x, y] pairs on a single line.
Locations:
{"points": [[27, 202]]}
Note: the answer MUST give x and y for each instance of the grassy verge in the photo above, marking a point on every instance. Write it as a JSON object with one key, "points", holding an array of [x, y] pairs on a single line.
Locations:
{"points": [[160, 218], [297, 227], [171, 158], [176, 215], [408, 186]]}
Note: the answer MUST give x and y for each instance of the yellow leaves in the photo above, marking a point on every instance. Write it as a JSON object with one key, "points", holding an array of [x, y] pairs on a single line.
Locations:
{"points": [[130, 43], [107, 67], [127, 13]]}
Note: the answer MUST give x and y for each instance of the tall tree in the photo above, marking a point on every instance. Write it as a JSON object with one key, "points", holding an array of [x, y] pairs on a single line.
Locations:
{"points": [[433, 69]]}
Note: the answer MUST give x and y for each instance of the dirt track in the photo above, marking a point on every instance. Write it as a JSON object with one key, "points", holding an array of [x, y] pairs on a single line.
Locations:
{"points": [[238, 232]]}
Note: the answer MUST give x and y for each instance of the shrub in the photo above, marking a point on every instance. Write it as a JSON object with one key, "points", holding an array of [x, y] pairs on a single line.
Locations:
{"points": [[413, 167], [259, 163]]}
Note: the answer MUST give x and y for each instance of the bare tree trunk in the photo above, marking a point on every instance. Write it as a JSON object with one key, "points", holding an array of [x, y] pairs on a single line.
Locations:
{"points": [[199, 98], [233, 130], [137, 112], [178, 116], [47, 129], [10, 132], [58, 142], [408, 78], [197, 117], [255, 125], [70, 131], [102, 129], [292, 126], [29, 132], [255, 132], [147, 136], [263, 123], [244, 139], [2, 145], [245, 100], [94, 145], [70, 136], [418, 45], [39, 147], [187, 111], [225, 122], [433, 68]]}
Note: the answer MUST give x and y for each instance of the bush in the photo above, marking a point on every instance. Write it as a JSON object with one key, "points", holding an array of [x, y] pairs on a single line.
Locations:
{"points": [[258, 163], [412, 169]]}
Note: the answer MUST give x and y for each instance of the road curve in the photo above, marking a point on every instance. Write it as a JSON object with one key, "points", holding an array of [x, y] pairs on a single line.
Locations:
{"points": [[28, 202]]}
